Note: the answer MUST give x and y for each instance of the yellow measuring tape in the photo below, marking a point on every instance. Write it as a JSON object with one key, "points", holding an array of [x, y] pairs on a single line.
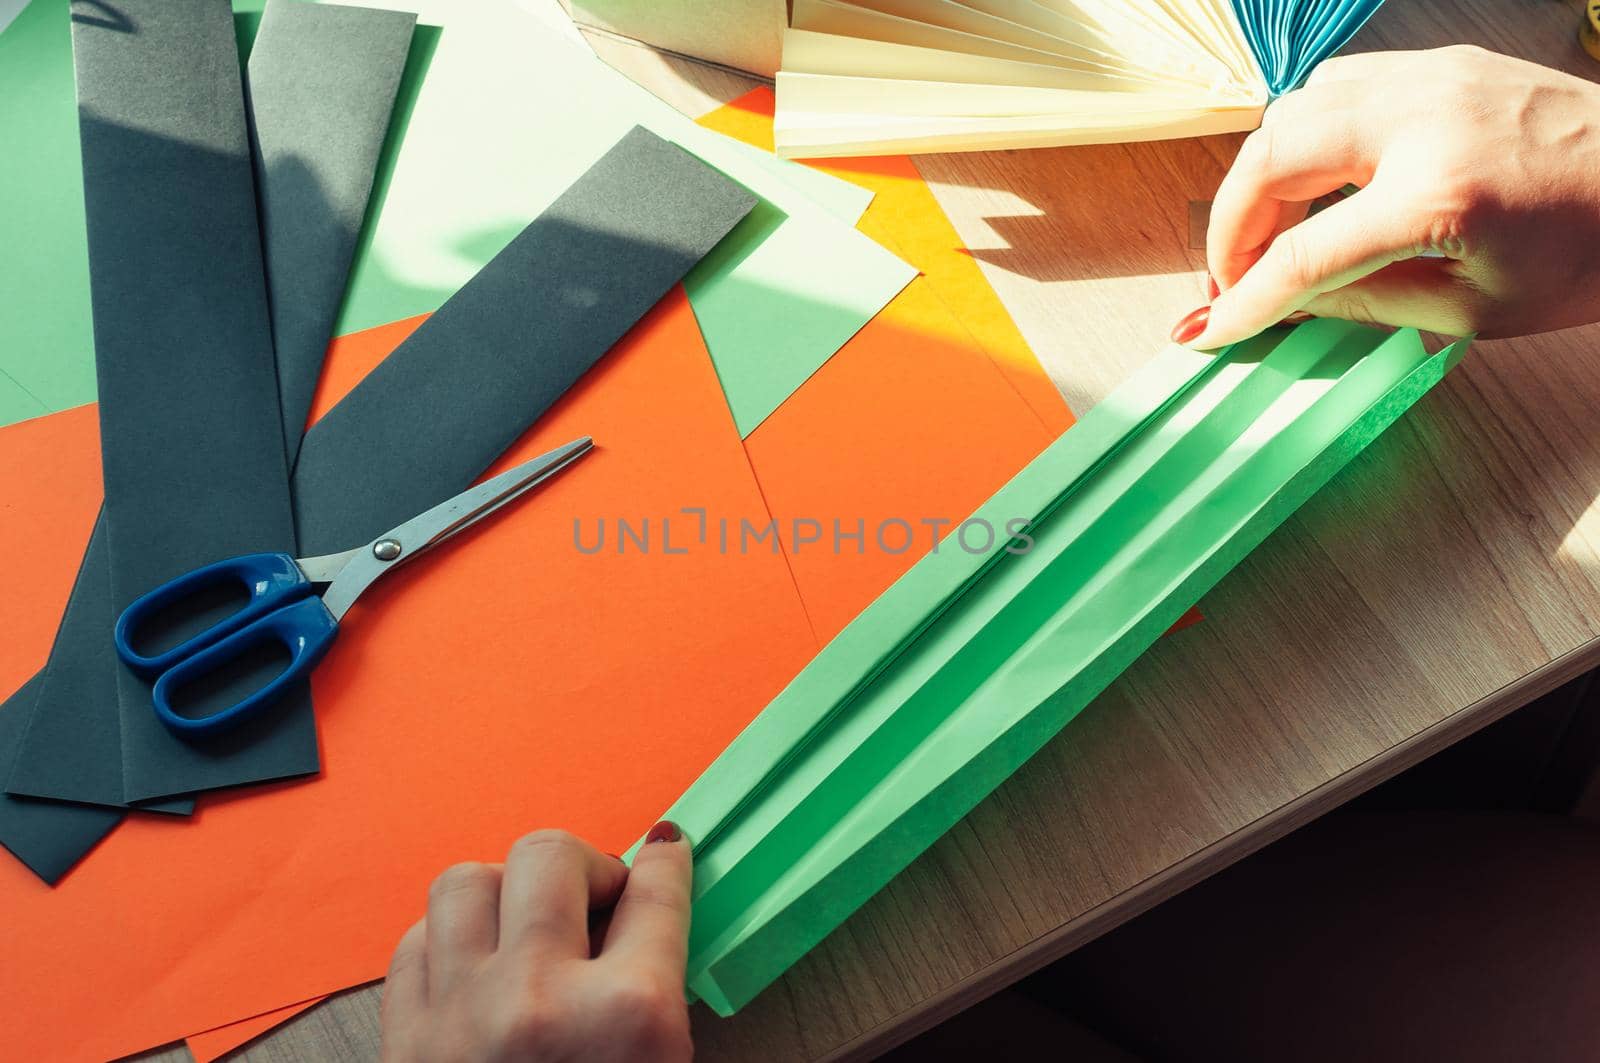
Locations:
{"points": [[1589, 32]]}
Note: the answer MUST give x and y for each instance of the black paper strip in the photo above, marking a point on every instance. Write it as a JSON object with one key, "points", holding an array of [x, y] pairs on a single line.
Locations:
{"points": [[438, 411], [190, 423], [183, 354], [48, 836], [72, 749]]}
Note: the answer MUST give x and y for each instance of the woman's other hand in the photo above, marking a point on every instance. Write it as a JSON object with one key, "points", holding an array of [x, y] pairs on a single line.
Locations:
{"points": [[1487, 165], [560, 953]]}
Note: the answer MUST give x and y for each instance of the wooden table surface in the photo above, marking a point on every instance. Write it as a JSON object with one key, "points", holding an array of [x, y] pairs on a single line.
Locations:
{"points": [[1451, 574]]}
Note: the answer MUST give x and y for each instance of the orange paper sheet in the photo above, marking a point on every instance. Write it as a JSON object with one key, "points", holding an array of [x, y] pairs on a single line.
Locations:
{"points": [[49, 495], [580, 673], [507, 683], [900, 435], [214, 1044]]}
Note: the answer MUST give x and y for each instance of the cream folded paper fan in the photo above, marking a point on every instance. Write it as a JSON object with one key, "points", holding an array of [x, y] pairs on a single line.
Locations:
{"points": [[868, 77]]}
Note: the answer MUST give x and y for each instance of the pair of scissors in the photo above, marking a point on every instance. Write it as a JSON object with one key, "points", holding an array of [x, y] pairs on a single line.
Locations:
{"points": [[284, 605]]}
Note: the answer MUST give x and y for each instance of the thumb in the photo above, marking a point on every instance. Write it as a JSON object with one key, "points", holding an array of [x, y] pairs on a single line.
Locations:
{"points": [[1424, 293], [649, 929], [1329, 250]]}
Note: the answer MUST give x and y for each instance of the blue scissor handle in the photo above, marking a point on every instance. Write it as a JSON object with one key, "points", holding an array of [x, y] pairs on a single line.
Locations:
{"points": [[271, 580], [304, 626]]}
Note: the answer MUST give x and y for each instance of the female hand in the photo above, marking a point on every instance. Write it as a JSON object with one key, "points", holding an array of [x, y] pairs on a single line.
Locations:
{"points": [[511, 963], [1488, 164]]}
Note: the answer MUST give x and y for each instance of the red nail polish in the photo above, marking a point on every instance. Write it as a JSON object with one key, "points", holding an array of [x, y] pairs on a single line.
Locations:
{"points": [[1212, 291], [1192, 325], [665, 831]]}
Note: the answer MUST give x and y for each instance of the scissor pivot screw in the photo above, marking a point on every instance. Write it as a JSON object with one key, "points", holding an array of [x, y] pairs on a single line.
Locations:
{"points": [[386, 549]]}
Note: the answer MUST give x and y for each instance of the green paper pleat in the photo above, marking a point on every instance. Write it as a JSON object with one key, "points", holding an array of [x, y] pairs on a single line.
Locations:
{"points": [[960, 671]]}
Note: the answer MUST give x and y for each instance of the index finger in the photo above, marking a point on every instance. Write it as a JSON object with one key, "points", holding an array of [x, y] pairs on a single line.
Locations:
{"points": [[1311, 143], [553, 881], [1376, 227], [650, 927]]}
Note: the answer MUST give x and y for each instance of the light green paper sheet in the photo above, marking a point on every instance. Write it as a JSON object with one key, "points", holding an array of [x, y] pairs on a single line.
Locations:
{"points": [[9, 9], [968, 664], [46, 341], [844, 200], [17, 403], [500, 116]]}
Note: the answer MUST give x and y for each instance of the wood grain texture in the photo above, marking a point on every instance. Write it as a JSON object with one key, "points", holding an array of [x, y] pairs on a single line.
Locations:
{"points": [[1448, 576]]}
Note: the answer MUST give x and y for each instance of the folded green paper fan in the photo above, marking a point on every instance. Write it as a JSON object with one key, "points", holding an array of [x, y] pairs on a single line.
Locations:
{"points": [[866, 77], [963, 669]]}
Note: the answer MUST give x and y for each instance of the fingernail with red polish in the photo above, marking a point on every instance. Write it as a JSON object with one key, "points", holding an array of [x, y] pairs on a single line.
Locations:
{"points": [[1212, 291], [1192, 325], [665, 831]]}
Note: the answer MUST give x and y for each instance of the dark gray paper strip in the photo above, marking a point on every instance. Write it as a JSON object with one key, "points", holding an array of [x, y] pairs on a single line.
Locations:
{"points": [[47, 836], [63, 743], [72, 750], [320, 87], [183, 358], [439, 410], [190, 425]]}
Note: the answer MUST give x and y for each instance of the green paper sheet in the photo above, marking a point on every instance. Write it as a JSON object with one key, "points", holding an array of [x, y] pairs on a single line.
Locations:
{"points": [[504, 114], [970, 662]]}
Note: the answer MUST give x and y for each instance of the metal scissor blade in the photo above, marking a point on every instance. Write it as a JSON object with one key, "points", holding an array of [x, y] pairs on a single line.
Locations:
{"points": [[449, 517], [466, 509]]}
